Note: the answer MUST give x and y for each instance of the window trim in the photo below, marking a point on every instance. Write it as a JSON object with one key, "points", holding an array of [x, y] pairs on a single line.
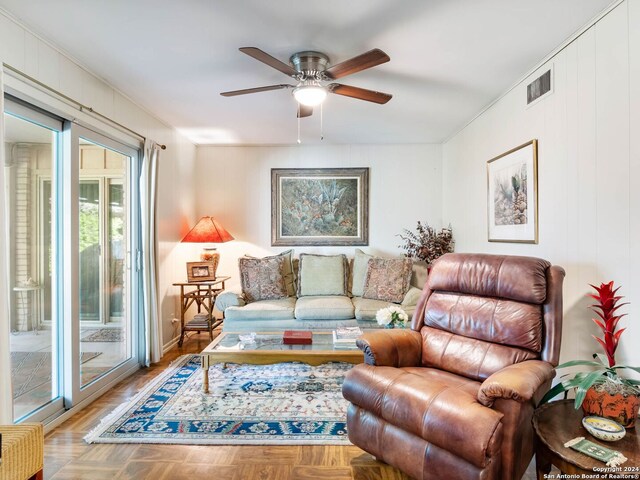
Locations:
{"points": [[43, 99], [33, 114]]}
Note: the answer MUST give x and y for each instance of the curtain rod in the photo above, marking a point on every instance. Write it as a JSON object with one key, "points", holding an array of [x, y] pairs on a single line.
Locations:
{"points": [[79, 105]]}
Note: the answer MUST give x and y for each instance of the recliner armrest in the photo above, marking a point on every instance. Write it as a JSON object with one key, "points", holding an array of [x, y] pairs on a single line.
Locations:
{"points": [[519, 382], [391, 348]]}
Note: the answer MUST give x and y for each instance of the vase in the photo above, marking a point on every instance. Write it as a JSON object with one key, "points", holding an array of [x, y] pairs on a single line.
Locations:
{"points": [[394, 325], [210, 255], [623, 408]]}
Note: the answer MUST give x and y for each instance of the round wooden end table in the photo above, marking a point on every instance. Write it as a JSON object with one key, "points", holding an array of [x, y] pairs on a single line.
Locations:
{"points": [[558, 422]]}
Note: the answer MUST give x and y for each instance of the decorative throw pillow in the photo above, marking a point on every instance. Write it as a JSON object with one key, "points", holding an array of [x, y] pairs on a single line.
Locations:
{"points": [[360, 265], [289, 277], [322, 275], [262, 278], [387, 279]]}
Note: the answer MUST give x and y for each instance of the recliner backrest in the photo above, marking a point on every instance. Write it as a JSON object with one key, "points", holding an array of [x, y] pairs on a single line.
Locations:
{"points": [[484, 312]]}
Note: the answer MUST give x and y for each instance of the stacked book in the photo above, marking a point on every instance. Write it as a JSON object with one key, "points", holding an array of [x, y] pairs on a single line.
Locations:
{"points": [[199, 320], [345, 337]]}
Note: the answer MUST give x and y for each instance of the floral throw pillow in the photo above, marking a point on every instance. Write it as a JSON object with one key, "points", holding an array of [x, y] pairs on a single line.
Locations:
{"points": [[388, 279], [262, 278], [289, 274]]}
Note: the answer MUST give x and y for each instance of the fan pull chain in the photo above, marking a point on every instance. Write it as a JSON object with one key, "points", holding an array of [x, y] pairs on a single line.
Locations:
{"points": [[321, 124], [299, 124]]}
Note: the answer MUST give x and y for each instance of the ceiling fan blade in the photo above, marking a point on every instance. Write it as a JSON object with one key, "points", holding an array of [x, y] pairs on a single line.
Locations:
{"points": [[356, 64], [359, 93], [233, 93], [273, 62], [304, 111]]}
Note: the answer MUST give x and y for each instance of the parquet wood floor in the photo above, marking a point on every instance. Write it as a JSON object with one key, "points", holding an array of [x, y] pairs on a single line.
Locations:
{"points": [[68, 457]]}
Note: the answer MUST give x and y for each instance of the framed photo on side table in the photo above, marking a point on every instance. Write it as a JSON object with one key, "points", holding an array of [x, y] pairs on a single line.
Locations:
{"points": [[320, 206], [512, 195], [201, 271]]}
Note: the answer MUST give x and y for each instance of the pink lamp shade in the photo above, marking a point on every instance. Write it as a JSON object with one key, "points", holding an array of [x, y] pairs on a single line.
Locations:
{"points": [[207, 230]]}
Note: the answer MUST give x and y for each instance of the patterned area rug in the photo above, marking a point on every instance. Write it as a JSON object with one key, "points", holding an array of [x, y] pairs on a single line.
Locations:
{"points": [[282, 404], [30, 370], [104, 335]]}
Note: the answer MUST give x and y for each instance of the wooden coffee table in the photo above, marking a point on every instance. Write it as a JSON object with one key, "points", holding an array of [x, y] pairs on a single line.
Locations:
{"points": [[558, 422], [269, 349]]}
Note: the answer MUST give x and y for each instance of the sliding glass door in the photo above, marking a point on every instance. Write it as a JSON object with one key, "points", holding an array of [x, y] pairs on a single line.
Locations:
{"points": [[103, 247], [32, 152], [73, 232]]}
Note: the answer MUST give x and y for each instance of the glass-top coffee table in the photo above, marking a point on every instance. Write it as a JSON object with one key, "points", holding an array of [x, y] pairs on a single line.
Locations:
{"points": [[268, 348]]}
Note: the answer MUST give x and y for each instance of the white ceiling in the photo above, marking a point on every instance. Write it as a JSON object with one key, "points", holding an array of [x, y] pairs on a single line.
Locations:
{"points": [[449, 59]]}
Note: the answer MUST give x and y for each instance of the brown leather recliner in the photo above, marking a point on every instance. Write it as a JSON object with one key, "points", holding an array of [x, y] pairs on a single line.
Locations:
{"points": [[453, 396]]}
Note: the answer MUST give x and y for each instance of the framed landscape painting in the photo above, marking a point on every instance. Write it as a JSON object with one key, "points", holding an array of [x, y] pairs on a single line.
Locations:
{"points": [[512, 187], [319, 206]]}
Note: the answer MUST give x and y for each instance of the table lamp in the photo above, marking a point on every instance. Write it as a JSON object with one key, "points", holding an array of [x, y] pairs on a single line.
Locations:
{"points": [[207, 230]]}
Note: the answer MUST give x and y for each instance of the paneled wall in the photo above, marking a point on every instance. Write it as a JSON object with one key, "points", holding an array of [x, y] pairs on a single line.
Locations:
{"points": [[233, 184], [589, 172], [37, 58]]}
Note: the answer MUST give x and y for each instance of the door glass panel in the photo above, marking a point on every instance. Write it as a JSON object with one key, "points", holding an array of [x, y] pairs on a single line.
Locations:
{"points": [[116, 239], [30, 154], [105, 321], [47, 261], [89, 226]]}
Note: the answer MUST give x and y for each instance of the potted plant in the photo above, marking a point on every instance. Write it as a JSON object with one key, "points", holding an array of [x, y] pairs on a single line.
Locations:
{"points": [[426, 243], [602, 390]]}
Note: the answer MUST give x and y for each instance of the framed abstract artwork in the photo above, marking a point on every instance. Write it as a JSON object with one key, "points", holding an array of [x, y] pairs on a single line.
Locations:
{"points": [[512, 195], [319, 206]]}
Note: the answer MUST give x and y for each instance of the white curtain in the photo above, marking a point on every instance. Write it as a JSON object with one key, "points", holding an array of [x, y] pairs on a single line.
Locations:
{"points": [[148, 195], [6, 400]]}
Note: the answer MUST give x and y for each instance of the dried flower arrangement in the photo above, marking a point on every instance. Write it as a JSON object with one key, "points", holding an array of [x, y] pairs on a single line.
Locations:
{"points": [[426, 243]]}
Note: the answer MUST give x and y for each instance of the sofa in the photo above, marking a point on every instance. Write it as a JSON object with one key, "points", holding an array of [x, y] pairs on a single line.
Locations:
{"points": [[453, 397], [320, 292]]}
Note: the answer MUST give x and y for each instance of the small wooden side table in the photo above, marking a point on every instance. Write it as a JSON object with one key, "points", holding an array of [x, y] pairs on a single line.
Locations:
{"points": [[203, 295], [558, 422]]}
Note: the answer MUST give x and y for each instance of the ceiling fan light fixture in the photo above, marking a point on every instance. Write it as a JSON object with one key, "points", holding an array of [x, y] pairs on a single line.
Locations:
{"points": [[310, 69], [310, 95]]}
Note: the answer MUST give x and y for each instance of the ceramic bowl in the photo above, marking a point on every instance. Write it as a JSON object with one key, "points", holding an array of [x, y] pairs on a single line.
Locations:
{"points": [[603, 428]]}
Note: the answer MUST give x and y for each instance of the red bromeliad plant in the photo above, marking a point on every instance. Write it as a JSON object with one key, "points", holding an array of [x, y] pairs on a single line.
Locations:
{"points": [[608, 322], [604, 372]]}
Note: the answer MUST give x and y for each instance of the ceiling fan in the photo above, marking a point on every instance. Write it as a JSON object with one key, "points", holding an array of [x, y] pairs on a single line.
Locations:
{"points": [[311, 70]]}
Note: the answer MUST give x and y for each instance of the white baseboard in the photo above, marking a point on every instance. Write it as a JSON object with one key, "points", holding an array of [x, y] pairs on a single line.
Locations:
{"points": [[172, 343]]}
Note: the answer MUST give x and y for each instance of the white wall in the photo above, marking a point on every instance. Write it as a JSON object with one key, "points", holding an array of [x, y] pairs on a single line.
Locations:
{"points": [[21, 49], [589, 173], [233, 184]]}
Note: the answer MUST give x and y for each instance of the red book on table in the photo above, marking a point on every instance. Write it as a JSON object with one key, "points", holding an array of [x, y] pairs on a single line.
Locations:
{"points": [[297, 337]]}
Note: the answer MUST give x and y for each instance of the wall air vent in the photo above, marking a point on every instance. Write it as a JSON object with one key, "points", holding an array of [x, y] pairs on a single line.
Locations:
{"points": [[539, 88]]}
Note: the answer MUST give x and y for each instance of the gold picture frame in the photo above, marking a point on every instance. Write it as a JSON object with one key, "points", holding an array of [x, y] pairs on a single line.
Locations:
{"points": [[512, 195], [201, 271]]}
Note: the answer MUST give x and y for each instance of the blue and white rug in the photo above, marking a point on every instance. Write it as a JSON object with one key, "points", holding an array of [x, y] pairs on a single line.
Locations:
{"points": [[281, 404]]}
